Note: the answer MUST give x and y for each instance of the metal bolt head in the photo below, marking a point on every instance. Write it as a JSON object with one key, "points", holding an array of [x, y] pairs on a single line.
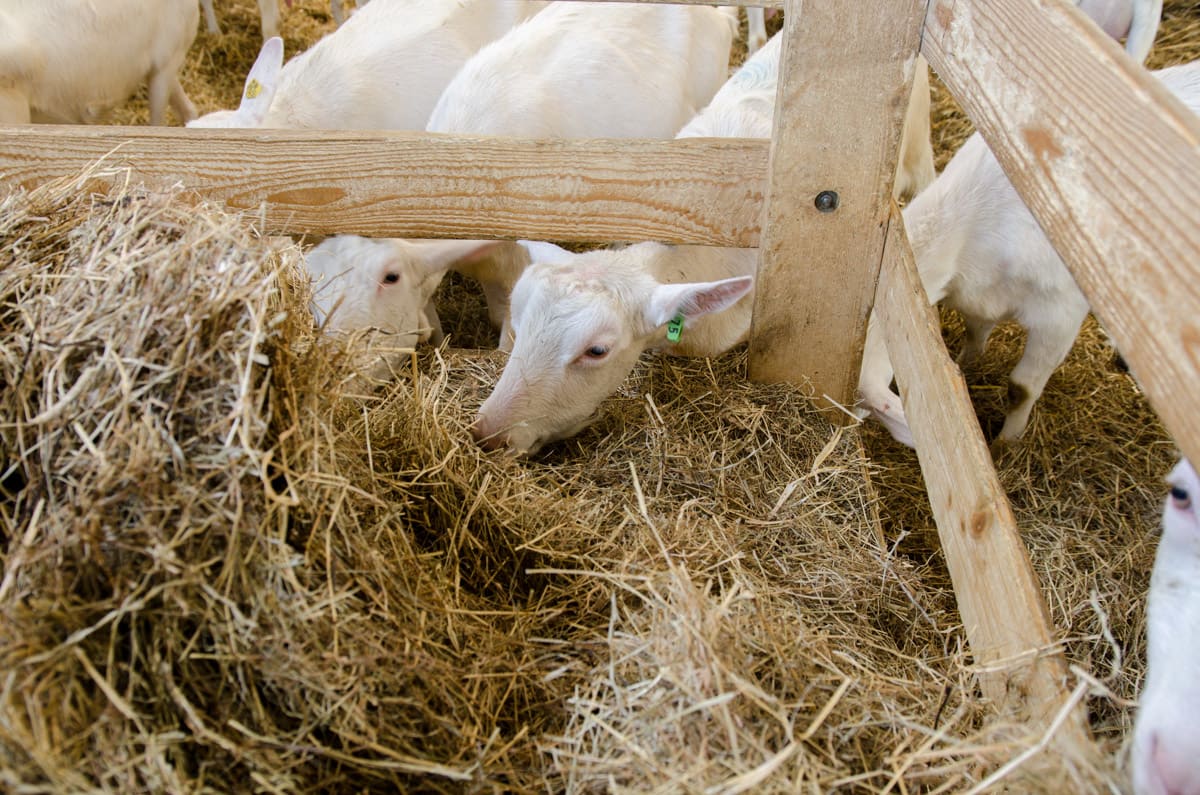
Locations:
{"points": [[826, 201]]}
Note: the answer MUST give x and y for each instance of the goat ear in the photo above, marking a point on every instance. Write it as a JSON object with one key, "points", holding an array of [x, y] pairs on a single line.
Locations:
{"points": [[438, 256], [261, 84], [696, 299]]}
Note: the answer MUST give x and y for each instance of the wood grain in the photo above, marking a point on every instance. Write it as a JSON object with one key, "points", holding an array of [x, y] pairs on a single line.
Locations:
{"points": [[1021, 669], [395, 184], [1109, 163], [844, 82]]}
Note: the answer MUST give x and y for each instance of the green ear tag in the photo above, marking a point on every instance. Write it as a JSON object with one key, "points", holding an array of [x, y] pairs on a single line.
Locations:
{"points": [[675, 328]]}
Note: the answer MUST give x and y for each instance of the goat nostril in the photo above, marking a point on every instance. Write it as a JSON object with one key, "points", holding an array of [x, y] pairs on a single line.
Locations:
{"points": [[487, 439]]}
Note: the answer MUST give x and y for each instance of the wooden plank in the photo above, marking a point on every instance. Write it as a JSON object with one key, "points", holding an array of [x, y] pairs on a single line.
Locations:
{"points": [[398, 184], [1109, 163], [844, 82], [1021, 670]]}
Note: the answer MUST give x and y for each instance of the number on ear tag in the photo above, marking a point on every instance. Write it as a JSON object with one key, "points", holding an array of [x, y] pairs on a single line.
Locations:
{"points": [[675, 328]]}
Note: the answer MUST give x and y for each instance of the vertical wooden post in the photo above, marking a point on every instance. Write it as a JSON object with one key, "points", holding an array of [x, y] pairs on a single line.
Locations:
{"points": [[844, 82], [1021, 669]]}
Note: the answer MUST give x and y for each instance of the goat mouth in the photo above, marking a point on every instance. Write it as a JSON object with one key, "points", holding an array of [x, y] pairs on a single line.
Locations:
{"points": [[507, 437]]}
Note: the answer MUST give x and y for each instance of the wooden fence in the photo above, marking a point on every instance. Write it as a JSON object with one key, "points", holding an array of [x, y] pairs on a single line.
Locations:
{"points": [[1106, 159]]}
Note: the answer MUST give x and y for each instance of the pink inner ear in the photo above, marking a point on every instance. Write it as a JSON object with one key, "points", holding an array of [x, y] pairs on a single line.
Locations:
{"points": [[717, 297]]}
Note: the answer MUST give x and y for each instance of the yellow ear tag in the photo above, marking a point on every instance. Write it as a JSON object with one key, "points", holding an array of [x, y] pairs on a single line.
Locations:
{"points": [[253, 88]]}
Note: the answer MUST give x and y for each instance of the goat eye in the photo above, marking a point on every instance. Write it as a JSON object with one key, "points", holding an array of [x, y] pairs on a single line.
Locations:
{"points": [[596, 352], [1180, 499], [391, 278]]}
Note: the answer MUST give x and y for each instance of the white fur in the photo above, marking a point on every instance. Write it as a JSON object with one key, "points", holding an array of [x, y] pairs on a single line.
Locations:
{"points": [[1166, 746], [914, 162], [351, 291], [580, 327], [72, 62], [1136, 19], [383, 69], [756, 28], [617, 301], [268, 11], [382, 287], [580, 70], [744, 107], [978, 247], [539, 73]]}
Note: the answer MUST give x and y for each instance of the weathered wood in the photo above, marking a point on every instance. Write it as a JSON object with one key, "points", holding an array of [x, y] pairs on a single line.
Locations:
{"points": [[1109, 163], [844, 83], [1021, 670], [395, 184]]}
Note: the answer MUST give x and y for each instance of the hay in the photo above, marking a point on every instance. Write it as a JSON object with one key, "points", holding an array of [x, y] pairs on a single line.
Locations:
{"points": [[230, 565]]}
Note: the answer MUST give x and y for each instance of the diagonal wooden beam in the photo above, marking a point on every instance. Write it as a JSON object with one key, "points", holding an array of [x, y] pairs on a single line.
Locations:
{"points": [[1107, 160], [844, 81], [1021, 668]]}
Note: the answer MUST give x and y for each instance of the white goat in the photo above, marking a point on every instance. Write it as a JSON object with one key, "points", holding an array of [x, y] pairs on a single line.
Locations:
{"points": [[579, 70], [570, 71], [384, 69], [579, 327], [68, 62], [1166, 745], [268, 11], [383, 284], [388, 284], [978, 247]]}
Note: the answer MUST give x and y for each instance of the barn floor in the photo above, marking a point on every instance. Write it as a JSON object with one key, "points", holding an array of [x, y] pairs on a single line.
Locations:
{"points": [[222, 575]]}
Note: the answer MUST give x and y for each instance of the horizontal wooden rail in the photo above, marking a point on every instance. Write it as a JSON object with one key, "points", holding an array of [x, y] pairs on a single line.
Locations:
{"points": [[1109, 163], [1021, 668], [402, 184]]}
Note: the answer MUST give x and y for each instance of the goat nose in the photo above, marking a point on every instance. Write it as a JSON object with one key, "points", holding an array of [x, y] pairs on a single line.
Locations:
{"points": [[487, 438]]}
